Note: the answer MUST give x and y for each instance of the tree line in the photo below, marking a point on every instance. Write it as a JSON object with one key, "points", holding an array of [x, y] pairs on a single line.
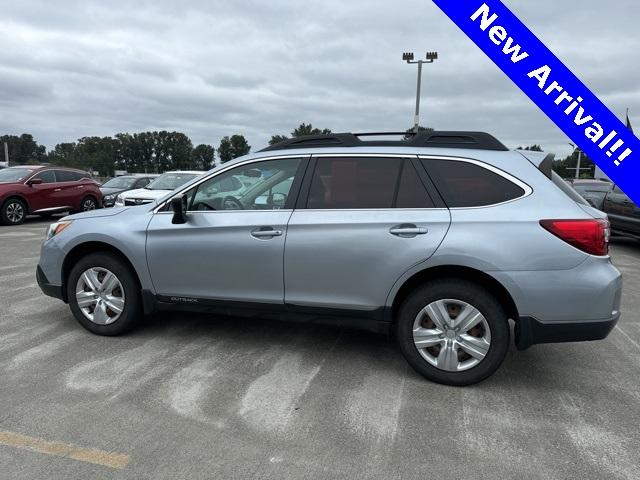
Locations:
{"points": [[144, 152], [159, 151]]}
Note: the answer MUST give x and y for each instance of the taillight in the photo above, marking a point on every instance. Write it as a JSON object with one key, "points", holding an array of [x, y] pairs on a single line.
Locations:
{"points": [[590, 236]]}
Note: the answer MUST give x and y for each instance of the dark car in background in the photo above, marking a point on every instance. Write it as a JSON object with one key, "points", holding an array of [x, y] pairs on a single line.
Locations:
{"points": [[111, 188], [44, 190], [624, 214], [593, 191]]}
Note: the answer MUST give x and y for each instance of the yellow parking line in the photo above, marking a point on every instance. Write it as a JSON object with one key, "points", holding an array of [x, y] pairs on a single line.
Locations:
{"points": [[89, 455]]}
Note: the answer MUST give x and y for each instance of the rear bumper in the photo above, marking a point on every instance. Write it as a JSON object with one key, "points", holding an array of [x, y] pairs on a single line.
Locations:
{"points": [[46, 287], [530, 331]]}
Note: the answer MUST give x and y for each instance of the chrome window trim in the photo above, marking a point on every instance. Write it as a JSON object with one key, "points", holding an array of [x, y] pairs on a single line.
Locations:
{"points": [[215, 174], [507, 176]]}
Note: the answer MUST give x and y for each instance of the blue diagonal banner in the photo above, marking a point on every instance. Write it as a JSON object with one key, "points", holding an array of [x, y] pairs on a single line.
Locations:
{"points": [[552, 87]]}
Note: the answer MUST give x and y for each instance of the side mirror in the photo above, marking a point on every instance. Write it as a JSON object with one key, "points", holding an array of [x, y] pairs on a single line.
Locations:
{"points": [[35, 181], [179, 207]]}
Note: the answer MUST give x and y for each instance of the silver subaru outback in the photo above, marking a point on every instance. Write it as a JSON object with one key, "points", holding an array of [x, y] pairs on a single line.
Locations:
{"points": [[439, 239]]}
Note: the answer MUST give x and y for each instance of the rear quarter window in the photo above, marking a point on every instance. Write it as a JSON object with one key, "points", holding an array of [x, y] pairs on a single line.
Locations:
{"points": [[465, 184]]}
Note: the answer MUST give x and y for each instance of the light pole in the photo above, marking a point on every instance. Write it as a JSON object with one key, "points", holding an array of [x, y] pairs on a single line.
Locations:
{"points": [[579, 159], [408, 57]]}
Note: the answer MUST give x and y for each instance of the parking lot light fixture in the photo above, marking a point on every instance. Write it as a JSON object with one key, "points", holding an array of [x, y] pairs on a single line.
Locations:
{"points": [[409, 58]]}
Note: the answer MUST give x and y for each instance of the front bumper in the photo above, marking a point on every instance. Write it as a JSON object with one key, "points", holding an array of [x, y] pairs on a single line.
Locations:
{"points": [[530, 331], [46, 287]]}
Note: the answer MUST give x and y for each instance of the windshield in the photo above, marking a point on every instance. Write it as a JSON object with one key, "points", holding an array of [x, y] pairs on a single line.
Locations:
{"points": [[170, 181], [119, 182], [14, 174]]}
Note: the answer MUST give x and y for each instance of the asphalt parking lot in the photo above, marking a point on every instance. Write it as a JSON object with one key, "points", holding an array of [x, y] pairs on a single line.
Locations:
{"points": [[191, 396]]}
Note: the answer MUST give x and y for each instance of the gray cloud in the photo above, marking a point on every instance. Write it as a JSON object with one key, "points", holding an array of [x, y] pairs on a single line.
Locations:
{"points": [[211, 68]]}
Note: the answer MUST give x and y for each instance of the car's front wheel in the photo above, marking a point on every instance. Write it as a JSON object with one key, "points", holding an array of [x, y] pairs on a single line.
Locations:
{"points": [[453, 331], [104, 295], [88, 203], [13, 211]]}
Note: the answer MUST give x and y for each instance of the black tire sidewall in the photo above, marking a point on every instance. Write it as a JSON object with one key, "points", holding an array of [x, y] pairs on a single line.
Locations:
{"points": [[3, 211], [471, 293], [131, 314]]}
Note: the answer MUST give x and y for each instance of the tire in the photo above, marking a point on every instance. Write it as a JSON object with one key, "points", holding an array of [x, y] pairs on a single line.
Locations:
{"points": [[446, 355], [13, 211], [88, 203], [99, 311]]}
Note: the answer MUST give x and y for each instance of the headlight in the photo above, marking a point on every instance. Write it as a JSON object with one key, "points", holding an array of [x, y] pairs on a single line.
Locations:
{"points": [[57, 228], [109, 197], [120, 201]]}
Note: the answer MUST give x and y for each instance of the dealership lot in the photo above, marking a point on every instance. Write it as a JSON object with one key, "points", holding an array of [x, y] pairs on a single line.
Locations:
{"points": [[191, 396]]}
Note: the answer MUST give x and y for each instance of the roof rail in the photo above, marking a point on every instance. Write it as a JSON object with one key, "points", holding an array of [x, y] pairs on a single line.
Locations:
{"points": [[469, 140]]}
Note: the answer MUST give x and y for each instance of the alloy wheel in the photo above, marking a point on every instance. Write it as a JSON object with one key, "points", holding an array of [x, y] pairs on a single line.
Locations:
{"points": [[100, 296], [14, 212], [88, 204], [451, 335]]}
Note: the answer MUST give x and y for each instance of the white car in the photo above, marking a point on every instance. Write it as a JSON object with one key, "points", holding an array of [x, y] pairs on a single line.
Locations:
{"points": [[165, 183]]}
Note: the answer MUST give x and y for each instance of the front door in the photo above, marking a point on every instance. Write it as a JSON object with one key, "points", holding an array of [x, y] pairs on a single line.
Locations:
{"points": [[232, 246], [44, 195], [366, 221]]}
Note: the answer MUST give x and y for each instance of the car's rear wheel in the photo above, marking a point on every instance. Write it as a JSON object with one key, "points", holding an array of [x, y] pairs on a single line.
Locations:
{"points": [[13, 211], [104, 295], [453, 332]]}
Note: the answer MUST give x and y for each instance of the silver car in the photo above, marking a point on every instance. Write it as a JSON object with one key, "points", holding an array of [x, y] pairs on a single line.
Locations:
{"points": [[441, 240]]}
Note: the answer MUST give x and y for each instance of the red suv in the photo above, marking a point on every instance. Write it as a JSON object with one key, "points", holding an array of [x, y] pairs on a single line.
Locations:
{"points": [[45, 190]]}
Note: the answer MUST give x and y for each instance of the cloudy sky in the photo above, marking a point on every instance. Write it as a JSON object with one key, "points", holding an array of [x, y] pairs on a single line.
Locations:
{"points": [[72, 68]]}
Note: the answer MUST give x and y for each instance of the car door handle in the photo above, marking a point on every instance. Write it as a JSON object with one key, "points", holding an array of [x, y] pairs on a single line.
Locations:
{"points": [[262, 232], [57, 189], [407, 230]]}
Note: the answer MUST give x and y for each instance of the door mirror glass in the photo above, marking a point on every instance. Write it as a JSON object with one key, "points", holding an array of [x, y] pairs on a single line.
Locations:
{"points": [[179, 207], [278, 200]]}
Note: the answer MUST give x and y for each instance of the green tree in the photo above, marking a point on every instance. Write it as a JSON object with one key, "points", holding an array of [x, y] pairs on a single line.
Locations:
{"points": [[232, 147], [532, 148], [299, 131], [277, 139], [408, 133], [202, 157], [225, 152], [566, 167], [23, 150]]}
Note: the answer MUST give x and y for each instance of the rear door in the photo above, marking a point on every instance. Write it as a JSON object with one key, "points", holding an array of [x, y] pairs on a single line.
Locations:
{"points": [[359, 224], [70, 189]]}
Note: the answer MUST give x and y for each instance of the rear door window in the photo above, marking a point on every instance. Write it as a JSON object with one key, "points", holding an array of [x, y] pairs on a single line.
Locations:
{"points": [[465, 184], [411, 190], [69, 176], [366, 183]]}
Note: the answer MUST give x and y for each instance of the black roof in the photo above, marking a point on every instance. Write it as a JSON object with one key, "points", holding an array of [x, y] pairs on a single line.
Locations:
{"points": [[470, 140]]}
